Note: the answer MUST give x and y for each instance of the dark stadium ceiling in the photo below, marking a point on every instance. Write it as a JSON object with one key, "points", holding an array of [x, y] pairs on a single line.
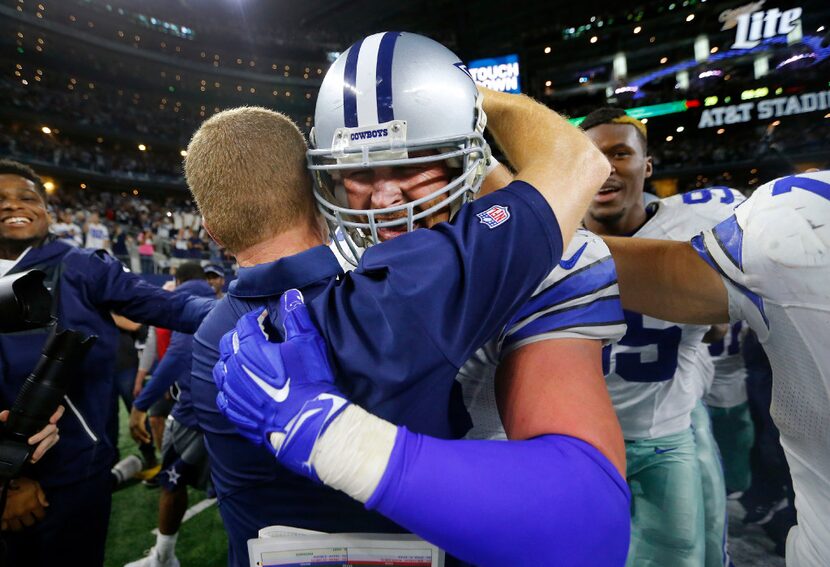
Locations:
{"points": [[468, 25], [471, 27]]}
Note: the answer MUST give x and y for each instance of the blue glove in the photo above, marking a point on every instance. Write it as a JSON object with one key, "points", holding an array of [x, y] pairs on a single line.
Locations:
{"points": [[285, 389]]}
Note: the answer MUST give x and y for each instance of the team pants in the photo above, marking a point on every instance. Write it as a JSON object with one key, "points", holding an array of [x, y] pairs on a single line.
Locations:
{"points": [[666, 502], [735, 434], [714, 489]]}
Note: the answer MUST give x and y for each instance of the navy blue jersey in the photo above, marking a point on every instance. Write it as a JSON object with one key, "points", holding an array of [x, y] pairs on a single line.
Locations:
{"points": [[398, 327]]}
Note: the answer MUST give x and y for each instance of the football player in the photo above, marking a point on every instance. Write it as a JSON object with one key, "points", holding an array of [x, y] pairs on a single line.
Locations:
{"points": [[653, 370], [729, 407], [417, 306], [768, 264]]}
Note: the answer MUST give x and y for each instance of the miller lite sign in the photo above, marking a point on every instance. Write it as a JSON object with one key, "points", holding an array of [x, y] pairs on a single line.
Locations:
{"points": [[754, 24]]}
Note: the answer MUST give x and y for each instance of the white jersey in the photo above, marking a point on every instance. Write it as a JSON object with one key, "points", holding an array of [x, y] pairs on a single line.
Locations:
{"points": [[578, 299], [729, 385], [774, 256], [97, 236], [70, 233], [654, 370]]}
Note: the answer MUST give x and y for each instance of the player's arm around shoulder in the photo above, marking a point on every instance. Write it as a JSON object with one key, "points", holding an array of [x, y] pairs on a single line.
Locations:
{"points": [[668, 280]]}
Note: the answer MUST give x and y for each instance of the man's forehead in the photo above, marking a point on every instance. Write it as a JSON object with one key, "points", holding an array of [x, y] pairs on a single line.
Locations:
{"points": [[14, 181], [606, 136]]}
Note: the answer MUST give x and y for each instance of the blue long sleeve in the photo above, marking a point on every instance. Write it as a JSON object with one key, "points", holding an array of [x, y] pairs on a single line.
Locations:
{"points": [[121, 291], [552, 500], [175, 364]]}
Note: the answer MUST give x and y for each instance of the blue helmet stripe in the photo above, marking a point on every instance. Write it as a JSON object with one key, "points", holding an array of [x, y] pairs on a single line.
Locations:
{"points": [[350, 86], [384, 77]]}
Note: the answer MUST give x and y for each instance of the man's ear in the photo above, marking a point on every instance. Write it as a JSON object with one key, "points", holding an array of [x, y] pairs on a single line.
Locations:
{"points": [[649, 167], [207, 229]]}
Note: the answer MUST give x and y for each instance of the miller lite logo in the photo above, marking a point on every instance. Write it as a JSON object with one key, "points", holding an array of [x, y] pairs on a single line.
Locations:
{"points": [[754, 25], [494, 216]]}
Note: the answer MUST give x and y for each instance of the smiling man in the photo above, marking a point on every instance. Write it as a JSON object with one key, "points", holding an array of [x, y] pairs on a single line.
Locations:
{"points": [[652, 370], [86, 285]]}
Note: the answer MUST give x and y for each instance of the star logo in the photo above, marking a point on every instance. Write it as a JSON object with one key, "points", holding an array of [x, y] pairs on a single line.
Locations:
{"points": [[173, 476]]}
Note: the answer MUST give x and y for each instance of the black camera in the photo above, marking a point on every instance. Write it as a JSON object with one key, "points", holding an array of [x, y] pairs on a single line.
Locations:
{"points": [[26, 304]]}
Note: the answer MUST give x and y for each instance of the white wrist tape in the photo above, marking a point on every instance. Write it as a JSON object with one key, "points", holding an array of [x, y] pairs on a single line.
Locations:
{"points": [[353, 453]]}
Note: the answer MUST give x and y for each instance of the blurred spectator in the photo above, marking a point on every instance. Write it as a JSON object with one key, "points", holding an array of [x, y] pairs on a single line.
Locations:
{"points": [[97, 235], [146, 252], [67, 230]]}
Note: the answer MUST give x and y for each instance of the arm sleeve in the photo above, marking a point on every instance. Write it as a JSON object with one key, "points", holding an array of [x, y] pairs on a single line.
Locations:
{"points": [[552, 500], [461, 281], [148, 355], [113, 287], [175, 364]]}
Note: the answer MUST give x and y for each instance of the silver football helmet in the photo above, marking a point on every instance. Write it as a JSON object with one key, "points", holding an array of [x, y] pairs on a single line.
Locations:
{"points": [[388, 96]]}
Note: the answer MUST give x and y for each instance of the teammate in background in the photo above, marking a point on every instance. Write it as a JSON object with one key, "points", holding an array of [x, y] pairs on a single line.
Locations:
{"points": [[215, 276], [729, 408], [709, 460], [653, 371], [184, 457], [97, 235], [768, 265], [416, 307], [87, 285]]}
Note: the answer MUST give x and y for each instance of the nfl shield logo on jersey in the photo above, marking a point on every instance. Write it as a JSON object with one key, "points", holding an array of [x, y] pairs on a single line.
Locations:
{"points": [[494, 216]]}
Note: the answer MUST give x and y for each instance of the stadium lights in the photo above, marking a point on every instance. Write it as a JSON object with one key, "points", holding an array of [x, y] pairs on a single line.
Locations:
{"points": [[83, 185], [547, 50], [721, 130], [644, 120], [669, 138], [664, 60], [46, 130], [142, 148], [680, 129], [690, 17], [49, 186], [548, 83], [713, 50], [183, 153], [638, 29], [594, 39], [820, 29]]}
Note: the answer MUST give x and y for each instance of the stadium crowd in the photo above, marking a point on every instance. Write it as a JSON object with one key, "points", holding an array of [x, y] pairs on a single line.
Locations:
{"points": [[149, 236]]}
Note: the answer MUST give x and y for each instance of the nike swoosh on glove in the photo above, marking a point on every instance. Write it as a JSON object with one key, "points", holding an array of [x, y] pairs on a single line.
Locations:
{"points": [[281, 395]]}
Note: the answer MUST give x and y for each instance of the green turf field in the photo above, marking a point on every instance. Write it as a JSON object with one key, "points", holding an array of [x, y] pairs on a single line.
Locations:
{"points": [[202, 541]]}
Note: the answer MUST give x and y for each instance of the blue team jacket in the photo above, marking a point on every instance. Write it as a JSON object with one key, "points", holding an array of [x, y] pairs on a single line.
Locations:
{"points": [[175, 366], [86, 285]]}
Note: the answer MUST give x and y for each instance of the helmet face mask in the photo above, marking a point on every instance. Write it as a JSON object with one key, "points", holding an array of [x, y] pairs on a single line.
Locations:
{"points": [[434, 113]]}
